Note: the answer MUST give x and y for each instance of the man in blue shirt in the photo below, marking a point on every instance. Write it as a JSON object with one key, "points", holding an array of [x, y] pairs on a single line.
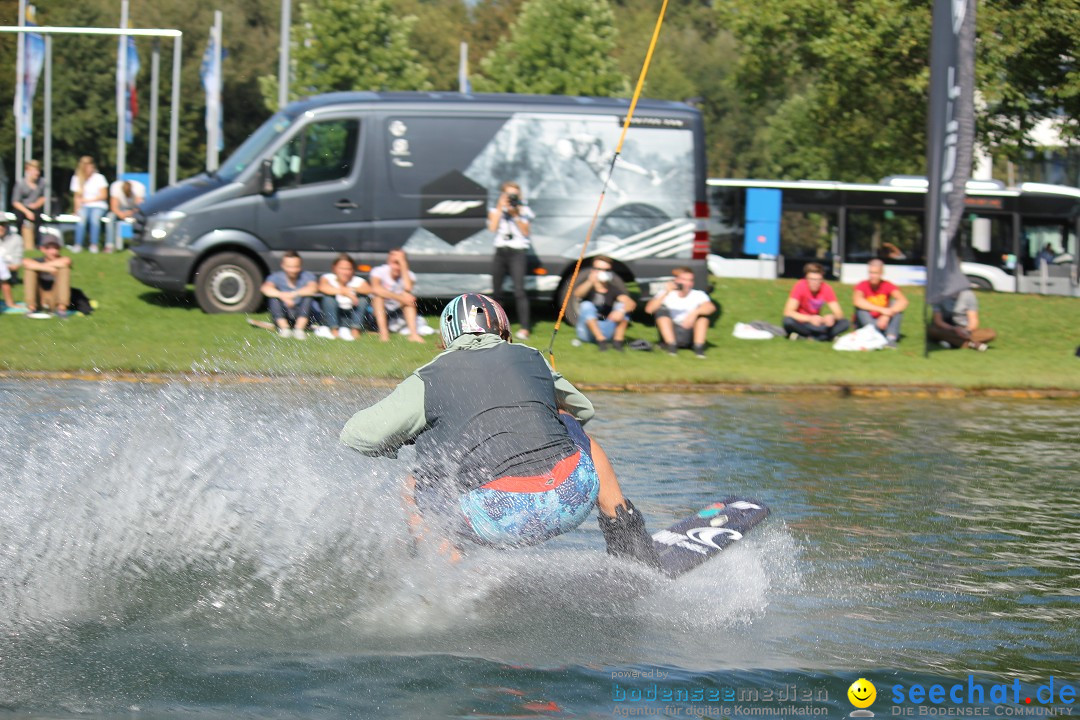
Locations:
{"points": [[290, 292]]}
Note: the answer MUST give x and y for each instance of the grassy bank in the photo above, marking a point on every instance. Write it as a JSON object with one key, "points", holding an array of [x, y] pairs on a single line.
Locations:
{"points": [[141, 330]]}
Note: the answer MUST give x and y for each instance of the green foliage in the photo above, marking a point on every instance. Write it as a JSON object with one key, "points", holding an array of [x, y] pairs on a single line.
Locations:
{"points": [[1028, 70], [692, 62], [441, 26], [839, 89], [343, 45], [490, 23], [557, 47]]}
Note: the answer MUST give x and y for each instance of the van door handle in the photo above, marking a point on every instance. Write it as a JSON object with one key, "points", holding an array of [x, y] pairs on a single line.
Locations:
{"points": [[344, 204]]}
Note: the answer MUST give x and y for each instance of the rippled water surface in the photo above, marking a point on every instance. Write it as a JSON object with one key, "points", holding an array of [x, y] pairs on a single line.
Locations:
{"points": [[212, 551]]}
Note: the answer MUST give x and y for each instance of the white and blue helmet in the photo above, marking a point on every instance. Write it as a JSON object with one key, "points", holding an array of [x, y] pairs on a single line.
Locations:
{"points": [[475, 314]]}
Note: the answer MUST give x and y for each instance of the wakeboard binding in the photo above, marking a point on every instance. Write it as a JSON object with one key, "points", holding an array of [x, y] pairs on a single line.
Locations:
{"points": [[626, 536]]}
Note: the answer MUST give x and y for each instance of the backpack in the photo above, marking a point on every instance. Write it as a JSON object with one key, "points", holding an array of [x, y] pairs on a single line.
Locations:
{"points": [[79, 302]]}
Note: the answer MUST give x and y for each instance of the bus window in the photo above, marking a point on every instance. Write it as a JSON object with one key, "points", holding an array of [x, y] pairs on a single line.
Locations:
{"points": [[895, 237], [987, 240], [728, 221], [1059, 236], [808, 235]]}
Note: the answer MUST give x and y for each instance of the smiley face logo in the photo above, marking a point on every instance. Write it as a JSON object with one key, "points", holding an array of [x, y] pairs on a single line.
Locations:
{"points": [[862, 693]]}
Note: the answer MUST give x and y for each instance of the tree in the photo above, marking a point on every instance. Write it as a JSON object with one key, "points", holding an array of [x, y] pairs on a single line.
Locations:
{"points": [[692, 62], [557, 47], [490, 23], [441, 25], [341, 45], [838, 89], [1028, 70]]}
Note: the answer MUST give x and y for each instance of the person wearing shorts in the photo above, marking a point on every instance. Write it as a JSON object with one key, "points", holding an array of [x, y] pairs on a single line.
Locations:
{"points": [[682, 313], [502, 459]]}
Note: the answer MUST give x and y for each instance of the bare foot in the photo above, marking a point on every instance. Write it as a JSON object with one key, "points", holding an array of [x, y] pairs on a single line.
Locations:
{"points": [[416, 339]]}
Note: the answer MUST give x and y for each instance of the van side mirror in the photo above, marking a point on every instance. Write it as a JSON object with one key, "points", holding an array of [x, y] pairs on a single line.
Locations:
{"points": [[266, 179]]}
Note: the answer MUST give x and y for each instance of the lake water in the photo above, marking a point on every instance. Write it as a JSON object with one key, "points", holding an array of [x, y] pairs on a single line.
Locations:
{"points": [[211, 551]]}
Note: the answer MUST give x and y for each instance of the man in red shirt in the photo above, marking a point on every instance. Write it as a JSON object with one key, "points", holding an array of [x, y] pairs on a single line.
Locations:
{"points": [[803, 317], [879, 302]]}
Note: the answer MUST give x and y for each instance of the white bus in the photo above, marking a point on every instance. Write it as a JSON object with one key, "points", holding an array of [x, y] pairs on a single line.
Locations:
{"points": [[1018, 239]]}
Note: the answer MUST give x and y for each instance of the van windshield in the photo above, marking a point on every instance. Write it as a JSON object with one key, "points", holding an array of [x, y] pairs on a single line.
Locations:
{"points": [[252, 148]]}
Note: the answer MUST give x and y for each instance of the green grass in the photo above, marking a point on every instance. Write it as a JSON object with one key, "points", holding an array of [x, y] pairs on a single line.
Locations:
{"points": [[138, 329]]}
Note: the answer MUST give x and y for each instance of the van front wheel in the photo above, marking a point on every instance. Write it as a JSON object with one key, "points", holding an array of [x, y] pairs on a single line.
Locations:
{"points": [[228, 283]]}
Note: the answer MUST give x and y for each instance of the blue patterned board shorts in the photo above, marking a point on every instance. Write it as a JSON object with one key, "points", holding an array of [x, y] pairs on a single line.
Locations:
{"points": [[527, 514]]}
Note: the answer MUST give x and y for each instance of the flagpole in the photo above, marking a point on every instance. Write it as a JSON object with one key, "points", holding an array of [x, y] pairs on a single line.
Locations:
{"points": [[20, 76], [47, 152], [174, 113], [463, 68], [213, 98], [155, 79], [29, 151], [121, 86], [283, 59]]}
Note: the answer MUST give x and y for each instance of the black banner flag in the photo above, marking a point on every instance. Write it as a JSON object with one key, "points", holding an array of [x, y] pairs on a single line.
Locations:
{"points": [[950, 142]]}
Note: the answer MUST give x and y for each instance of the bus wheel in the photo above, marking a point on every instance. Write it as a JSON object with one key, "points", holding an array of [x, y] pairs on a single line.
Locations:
{"points": [[228, 283], [571, 307], [979, 283]]}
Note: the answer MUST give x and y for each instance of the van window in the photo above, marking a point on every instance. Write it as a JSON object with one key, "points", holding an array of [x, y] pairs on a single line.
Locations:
{"points": [[321, 152], [254, 146]]}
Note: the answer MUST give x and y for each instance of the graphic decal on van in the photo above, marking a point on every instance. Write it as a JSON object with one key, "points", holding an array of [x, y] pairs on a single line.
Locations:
{"points": [[453, 207], [560, 160]]}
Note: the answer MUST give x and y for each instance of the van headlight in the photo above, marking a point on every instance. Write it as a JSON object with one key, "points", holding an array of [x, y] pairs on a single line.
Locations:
{"points": [[161, 225]]}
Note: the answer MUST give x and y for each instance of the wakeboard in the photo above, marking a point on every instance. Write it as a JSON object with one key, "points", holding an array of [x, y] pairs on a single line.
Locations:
{"points": [[697, 538]]}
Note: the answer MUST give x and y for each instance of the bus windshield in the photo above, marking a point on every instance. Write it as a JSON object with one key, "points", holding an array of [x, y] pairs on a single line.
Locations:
{"points": [[253, 147]]}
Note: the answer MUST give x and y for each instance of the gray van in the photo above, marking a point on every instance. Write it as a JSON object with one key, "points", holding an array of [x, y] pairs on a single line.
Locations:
{"points": [[367, 172]]}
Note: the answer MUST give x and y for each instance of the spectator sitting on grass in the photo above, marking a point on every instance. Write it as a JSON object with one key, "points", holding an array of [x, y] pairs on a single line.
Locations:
{"points": [[11, 253], [880, 303], [125, 196], [47, 279], [802, 312], [290, 292], [392, 299], [604, 311], [682, 313], [956, 323], [344, 301]]}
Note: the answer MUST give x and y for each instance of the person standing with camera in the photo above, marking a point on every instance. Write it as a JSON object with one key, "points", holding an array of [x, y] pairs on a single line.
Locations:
{"points": [[511, 220]]}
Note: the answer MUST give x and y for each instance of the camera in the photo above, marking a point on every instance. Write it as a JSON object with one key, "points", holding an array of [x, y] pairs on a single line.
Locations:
{"points": [[514, 199]]}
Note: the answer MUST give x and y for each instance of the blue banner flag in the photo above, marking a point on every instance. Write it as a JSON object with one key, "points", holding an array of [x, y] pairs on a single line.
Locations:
{"points": [[131, 103], [33, 61]]}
